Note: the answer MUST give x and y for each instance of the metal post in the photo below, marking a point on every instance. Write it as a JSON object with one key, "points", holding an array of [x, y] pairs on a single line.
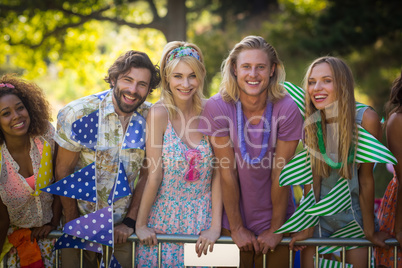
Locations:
{"points": [[395, 256], [317, 263], [343, 257], [291, 258], [264, 260], [369, 256], [57, 258], [106, 256], [133, 254], [159, 254], [81, 258]]}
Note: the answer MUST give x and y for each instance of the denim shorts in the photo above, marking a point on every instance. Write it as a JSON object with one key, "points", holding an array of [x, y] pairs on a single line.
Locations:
{"points": [[328, 225]]}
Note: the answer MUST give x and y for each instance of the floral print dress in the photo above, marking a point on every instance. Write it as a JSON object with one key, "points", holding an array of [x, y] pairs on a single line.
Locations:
{"points": [[180, 207], [386, 216], [25, 210]]}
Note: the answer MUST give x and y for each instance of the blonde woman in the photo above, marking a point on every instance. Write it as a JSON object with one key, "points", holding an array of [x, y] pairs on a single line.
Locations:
{"points": [[331, 122], [182, 194]]}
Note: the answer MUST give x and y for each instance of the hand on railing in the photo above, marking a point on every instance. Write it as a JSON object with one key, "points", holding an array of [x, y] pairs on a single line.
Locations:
{"points": [[207, 239], [378, 239], [245, 239], [302, 235], [122, 232], [147, 235], [41, 232], [268, 240]]}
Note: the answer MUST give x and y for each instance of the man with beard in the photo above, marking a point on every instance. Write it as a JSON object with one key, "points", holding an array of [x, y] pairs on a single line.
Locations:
{"points": [[105, 132]]}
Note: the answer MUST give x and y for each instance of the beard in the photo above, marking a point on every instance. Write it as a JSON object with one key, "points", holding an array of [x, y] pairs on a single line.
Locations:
{"points": [[127, 108]]}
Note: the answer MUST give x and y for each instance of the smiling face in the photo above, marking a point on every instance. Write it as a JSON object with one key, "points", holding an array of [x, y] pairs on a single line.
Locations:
{"points": [[131, 90], [253, 71], [14, 117], [183, 82], [321, 86]]}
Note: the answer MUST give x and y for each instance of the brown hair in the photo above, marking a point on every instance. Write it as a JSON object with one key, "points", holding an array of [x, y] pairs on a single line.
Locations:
{"points": [[34, 101], [394, 104], [133, 59]]}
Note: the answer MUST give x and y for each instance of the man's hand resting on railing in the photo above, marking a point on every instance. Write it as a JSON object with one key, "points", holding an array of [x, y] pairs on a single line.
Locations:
{"points": [[245, 239], [207, 239], [121, 233], [268, 240]]}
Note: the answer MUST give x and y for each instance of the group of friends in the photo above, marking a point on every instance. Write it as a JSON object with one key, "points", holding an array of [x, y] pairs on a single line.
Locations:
{"points": [[188, 165]]}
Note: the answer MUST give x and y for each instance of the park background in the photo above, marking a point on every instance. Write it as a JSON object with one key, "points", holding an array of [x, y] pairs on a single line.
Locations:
{"points": [[66, 46]]}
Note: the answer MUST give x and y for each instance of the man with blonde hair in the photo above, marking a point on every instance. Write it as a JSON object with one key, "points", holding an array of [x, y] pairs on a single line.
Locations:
{"points": [[254, 128]]}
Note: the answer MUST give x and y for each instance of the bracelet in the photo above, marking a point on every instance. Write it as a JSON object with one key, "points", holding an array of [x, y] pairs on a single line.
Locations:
{"points": [[129, 222]]}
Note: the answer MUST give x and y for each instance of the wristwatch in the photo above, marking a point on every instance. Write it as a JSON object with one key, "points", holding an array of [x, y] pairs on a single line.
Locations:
{"points": [[129, 222]]}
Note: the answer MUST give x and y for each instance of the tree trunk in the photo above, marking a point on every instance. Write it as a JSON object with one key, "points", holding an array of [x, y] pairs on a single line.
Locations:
{"points": [[176, 28]]}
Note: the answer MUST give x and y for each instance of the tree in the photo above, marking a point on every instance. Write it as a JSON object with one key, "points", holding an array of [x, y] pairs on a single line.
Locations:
{"points": [[346, 25], [75, 13]]}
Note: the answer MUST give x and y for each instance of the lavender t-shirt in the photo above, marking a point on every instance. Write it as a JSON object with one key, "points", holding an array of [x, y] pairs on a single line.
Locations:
{"points": [[219, 119]]}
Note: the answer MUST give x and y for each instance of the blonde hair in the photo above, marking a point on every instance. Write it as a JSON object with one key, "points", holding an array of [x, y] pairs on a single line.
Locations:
{"points": [[229, 88], [167, 68], [344, 89]]}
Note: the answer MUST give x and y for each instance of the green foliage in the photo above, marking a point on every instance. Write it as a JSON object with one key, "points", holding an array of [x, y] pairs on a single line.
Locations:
{"points": [[346, 25]]}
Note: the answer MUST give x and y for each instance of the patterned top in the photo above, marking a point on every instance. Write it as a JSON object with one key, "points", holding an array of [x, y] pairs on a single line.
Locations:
{"points": [[108, 152], [25, 210], [180, 207]]}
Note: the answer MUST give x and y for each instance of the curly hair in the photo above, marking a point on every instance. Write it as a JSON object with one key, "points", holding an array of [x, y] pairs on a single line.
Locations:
{"points": [[229, 88], [167, 69], [34, 101], [133, 59], [346, 108]]}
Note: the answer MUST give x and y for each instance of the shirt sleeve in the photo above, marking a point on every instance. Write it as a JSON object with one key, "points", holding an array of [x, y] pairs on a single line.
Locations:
{"points": [[290, 121], [215, 120], [65, 119]]}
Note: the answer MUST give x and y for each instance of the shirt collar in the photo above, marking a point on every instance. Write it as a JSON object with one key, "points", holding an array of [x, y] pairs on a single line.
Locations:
{"points": [[108, 103]]}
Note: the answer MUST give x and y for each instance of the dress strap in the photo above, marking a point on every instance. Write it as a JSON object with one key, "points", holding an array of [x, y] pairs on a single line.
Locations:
{"points": [[359, 114]]}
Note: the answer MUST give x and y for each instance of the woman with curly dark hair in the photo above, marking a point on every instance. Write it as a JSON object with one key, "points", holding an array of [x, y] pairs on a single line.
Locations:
{"points": [[26, 148]]}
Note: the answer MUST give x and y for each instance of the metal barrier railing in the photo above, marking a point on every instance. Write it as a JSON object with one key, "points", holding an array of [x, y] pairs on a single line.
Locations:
{"points": [[343, 242]]}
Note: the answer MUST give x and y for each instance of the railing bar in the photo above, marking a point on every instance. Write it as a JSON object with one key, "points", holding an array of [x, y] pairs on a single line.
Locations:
{"points": [[395, 256], [369, 256], [133, 254], [81, 258], [106, 256], [57, 258], [291, 258], [228, 240], [316, 257], [343, 257], [264, 260], [159, 254]]}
